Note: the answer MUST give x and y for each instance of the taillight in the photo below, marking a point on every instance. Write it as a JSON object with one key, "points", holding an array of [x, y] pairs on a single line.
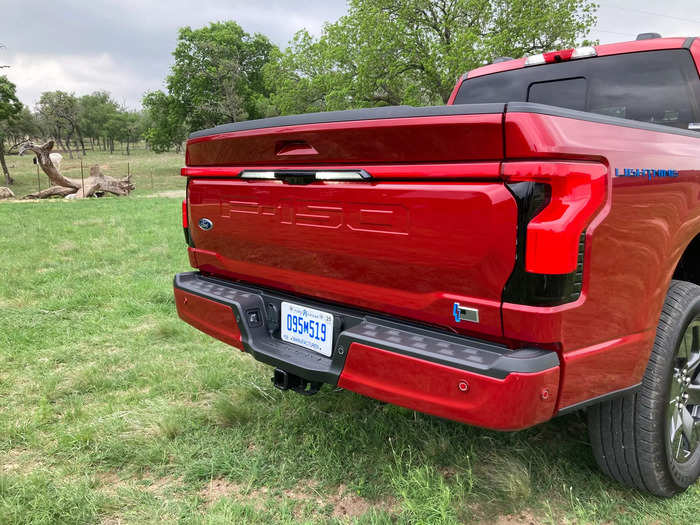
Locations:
{"points": [[185, 224], [556, 201]]}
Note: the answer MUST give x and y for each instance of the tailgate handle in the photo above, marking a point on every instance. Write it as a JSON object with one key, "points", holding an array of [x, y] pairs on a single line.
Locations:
{"points": [[296, 177], [295, 148]]}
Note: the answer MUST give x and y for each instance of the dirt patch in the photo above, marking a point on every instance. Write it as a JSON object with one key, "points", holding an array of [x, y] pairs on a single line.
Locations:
{"points": [[159, 486], [348, 505], [111, 482], [220, 488], [345, 504], [66, 246], [521, 518], [19, 460], [172, 194]]}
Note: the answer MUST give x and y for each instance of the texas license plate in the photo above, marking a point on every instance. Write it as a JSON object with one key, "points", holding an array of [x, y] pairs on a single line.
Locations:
{"points": [[304, 326]]}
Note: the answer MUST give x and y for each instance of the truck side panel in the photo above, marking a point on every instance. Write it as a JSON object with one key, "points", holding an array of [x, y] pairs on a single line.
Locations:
{"points": [[632, 246]]}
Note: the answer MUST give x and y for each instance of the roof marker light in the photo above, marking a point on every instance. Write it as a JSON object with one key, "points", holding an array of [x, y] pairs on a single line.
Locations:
{"points": [[535, 60], [584, 52], [560, 56]]}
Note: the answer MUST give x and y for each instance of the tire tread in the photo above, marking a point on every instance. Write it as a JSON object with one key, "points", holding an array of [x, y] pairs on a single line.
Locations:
{"points": [[626, 436]]}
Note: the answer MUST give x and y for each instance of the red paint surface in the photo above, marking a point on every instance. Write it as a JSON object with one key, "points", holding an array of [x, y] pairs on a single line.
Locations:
{"points": [[512, 403], [695, 51], [632, 247], [423, 139], [210, 317], [605, 367], [409, 249], [185, 223]]}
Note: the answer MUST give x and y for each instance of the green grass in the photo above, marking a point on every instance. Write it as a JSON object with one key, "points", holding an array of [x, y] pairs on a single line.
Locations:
{"points": [[114, 411], [151, 173]]}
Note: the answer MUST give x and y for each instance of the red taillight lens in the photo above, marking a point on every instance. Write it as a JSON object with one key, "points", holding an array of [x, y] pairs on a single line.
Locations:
{"points": [[184, 215], [578, 190]]}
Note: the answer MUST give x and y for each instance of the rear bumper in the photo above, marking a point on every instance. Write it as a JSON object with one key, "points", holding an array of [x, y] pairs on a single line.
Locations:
{"points": [[454, 377]]}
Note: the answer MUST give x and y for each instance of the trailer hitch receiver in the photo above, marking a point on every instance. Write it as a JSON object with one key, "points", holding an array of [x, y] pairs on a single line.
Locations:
{"points": [[286, 381]]}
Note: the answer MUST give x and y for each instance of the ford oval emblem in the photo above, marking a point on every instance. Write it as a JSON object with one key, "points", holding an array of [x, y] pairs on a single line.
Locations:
{"points": [[205, 224]]}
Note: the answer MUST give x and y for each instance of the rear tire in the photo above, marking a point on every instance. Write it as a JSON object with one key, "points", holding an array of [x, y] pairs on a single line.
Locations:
{"points": [[650, 439]]}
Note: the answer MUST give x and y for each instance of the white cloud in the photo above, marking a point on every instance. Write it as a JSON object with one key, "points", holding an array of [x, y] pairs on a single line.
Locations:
{"points": [[620, 20], [125, 46], [35, 73]]}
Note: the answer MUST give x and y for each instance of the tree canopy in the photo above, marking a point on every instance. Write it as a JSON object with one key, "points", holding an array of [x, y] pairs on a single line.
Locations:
{"points": [[381, 53], [217, 75], [165, 121], [411, 52], [10, 106], [10, 109]]}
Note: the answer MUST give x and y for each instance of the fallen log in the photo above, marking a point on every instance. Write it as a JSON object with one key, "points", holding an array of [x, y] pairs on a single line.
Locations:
{"points": [[96, 184], [6, 193]]}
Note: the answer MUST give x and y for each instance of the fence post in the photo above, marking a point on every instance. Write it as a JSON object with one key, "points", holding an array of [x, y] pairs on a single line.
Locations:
{"points": [[38, 179], [82, 179]]}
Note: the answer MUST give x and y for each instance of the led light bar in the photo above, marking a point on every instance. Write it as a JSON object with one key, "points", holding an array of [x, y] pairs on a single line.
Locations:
{"points": [[561, 56], [584, 52], [535, 60], [257, 174], [313, 175]]}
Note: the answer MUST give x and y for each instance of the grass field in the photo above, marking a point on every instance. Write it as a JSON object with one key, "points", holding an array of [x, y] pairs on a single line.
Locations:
{"points": [[150, 173], [113, 411]]}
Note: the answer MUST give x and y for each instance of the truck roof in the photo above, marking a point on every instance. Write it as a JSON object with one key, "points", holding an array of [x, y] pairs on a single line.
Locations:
{"points": [[634, 46]]}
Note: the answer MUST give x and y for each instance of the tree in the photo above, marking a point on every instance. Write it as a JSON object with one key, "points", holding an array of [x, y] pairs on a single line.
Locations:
{"points": [[10, 109], [411, 52], [133, 128], [216, 78], [95, 111], [60, 112], [164, 122]]}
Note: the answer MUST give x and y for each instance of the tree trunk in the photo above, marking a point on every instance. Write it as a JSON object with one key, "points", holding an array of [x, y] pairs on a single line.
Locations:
{"points": [[8, 180], [80, 139], [70, 152], [96, 183]]}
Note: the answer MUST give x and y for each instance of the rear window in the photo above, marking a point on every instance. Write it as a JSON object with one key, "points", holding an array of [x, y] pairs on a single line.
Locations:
{"points": [[660, 87]]}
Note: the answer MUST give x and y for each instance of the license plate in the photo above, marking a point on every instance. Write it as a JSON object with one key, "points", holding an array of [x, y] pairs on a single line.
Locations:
{"points": [[304, 326]]}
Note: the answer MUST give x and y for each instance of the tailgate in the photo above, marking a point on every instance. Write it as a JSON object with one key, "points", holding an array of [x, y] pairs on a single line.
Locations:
{"points": [[428, 226], [409, 249]]}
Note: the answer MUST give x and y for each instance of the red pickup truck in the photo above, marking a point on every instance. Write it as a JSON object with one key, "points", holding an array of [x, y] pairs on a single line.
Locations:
{"points": [[528, 250]]}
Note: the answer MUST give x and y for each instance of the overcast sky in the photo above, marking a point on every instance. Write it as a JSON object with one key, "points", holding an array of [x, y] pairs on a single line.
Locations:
{"points": [[125, 46]]}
